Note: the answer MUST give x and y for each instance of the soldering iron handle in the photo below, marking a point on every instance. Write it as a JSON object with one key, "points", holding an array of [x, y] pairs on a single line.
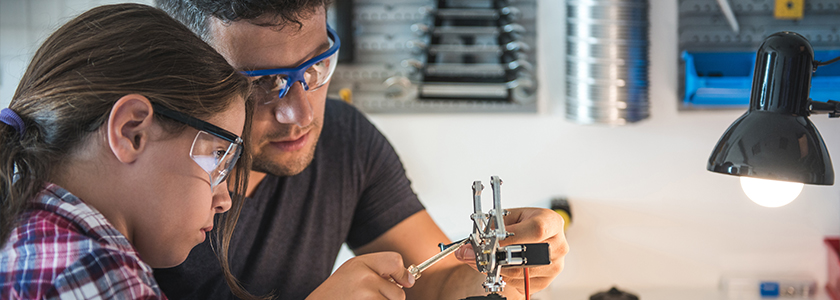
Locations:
{"points": [[411, 269], [414, 270]]}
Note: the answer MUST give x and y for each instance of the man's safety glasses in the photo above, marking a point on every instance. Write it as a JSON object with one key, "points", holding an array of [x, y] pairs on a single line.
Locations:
{"points": [[312, 74], [214, 149]]}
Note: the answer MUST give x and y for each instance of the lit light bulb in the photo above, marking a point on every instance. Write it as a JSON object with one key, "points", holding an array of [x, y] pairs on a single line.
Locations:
{"points": [[770, 193]]}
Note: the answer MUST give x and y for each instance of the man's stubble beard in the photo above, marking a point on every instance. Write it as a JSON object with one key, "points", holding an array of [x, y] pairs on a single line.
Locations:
{"points": [[262, 162]]}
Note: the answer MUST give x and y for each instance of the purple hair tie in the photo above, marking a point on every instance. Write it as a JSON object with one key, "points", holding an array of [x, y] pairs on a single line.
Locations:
{"points": [[11, 118]]}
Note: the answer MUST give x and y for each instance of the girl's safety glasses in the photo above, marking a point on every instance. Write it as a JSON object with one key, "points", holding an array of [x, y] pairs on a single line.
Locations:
{"points": [[214, 149], [312, 74]]}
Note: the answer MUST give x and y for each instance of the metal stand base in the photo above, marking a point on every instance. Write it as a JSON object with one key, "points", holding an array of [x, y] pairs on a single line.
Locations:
{"points": [[493, 296]]}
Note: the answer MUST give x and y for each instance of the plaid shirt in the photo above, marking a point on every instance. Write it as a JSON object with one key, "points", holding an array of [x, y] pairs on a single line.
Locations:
{"points": [[64, 249]]}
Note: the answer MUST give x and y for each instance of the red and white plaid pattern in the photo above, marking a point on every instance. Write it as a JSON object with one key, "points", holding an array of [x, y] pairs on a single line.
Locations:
{"points": [[64, 249]]}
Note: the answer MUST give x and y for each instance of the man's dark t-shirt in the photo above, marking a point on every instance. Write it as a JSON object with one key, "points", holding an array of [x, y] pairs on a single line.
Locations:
{"points": [[290, 232]]}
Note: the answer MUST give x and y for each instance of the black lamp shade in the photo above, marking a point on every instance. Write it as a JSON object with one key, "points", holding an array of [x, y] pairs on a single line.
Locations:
{"points": [[774, 139]]}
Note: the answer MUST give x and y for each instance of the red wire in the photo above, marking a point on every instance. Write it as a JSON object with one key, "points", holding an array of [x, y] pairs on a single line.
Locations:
{"points": [[527, 285]]}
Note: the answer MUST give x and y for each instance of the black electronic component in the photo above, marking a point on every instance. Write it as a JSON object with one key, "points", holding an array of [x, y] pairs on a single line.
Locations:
{"points": [[529, 254], [493, 296], [614, 294]]}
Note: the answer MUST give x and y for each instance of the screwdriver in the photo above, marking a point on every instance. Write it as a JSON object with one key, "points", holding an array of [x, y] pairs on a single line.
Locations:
{"points": [[416, 270]]}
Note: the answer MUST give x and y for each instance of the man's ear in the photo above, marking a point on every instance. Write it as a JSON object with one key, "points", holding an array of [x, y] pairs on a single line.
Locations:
{"points": [[128, 127]]}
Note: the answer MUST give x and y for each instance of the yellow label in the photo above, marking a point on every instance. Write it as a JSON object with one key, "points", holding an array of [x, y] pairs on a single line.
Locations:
{"points": [[789, 9]]}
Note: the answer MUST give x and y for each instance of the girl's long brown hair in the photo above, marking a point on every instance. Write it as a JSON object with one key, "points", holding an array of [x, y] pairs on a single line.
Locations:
{"points": [[78, 74]]}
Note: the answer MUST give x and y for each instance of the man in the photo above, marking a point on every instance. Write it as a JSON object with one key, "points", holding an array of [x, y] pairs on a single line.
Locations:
{"points": [[323, 175]]}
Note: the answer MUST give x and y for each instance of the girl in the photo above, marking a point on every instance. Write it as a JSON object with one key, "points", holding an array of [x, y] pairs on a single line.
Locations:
{"points": [[115, 148]]}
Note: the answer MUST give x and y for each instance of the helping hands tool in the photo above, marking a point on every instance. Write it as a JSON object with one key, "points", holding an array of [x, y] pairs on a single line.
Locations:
{"points": [[490, 257]]}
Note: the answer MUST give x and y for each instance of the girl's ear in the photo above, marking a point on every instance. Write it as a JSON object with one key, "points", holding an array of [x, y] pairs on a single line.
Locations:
{"points": [[128, 127]]}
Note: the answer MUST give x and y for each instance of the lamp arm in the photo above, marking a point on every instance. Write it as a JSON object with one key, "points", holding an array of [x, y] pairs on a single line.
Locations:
{"points": [[823, 63], [831, 107]]}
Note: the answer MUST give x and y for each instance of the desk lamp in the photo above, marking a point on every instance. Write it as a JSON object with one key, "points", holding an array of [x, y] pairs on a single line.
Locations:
{"points": [[774, 147]]}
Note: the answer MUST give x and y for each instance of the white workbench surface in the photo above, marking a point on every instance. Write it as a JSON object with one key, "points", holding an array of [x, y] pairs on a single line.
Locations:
{"points": [[652, 294]]}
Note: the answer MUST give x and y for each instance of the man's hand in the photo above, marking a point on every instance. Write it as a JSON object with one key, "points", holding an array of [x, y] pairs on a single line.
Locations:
{"points": [[529, 225], [367, 277]]}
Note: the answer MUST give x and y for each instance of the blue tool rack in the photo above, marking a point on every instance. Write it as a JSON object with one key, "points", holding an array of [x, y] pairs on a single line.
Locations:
{"points": [[724, 79]]}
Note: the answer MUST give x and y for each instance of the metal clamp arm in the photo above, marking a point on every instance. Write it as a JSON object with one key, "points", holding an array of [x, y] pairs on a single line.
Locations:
{"points": [[831, 107]]}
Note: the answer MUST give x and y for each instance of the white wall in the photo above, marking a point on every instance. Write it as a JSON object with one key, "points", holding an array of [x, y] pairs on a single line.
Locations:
{"points": [[646, 212], [24, 24]]}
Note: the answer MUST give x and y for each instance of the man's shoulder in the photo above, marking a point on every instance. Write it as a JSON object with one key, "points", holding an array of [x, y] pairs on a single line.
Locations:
{"points": [[338, 111], [345, 124]]}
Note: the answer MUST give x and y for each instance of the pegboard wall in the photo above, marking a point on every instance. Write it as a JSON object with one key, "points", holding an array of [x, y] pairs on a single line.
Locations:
{"points": [[439, 56], [704, 29]]}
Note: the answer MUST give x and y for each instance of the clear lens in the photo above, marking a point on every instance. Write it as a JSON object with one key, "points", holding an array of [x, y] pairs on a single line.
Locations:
{"points": [[268, 87], [320, 73], [215, 156]]}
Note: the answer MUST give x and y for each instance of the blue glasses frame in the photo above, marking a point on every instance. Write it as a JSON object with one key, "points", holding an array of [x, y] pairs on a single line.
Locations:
{"points": [[297, 74]]}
